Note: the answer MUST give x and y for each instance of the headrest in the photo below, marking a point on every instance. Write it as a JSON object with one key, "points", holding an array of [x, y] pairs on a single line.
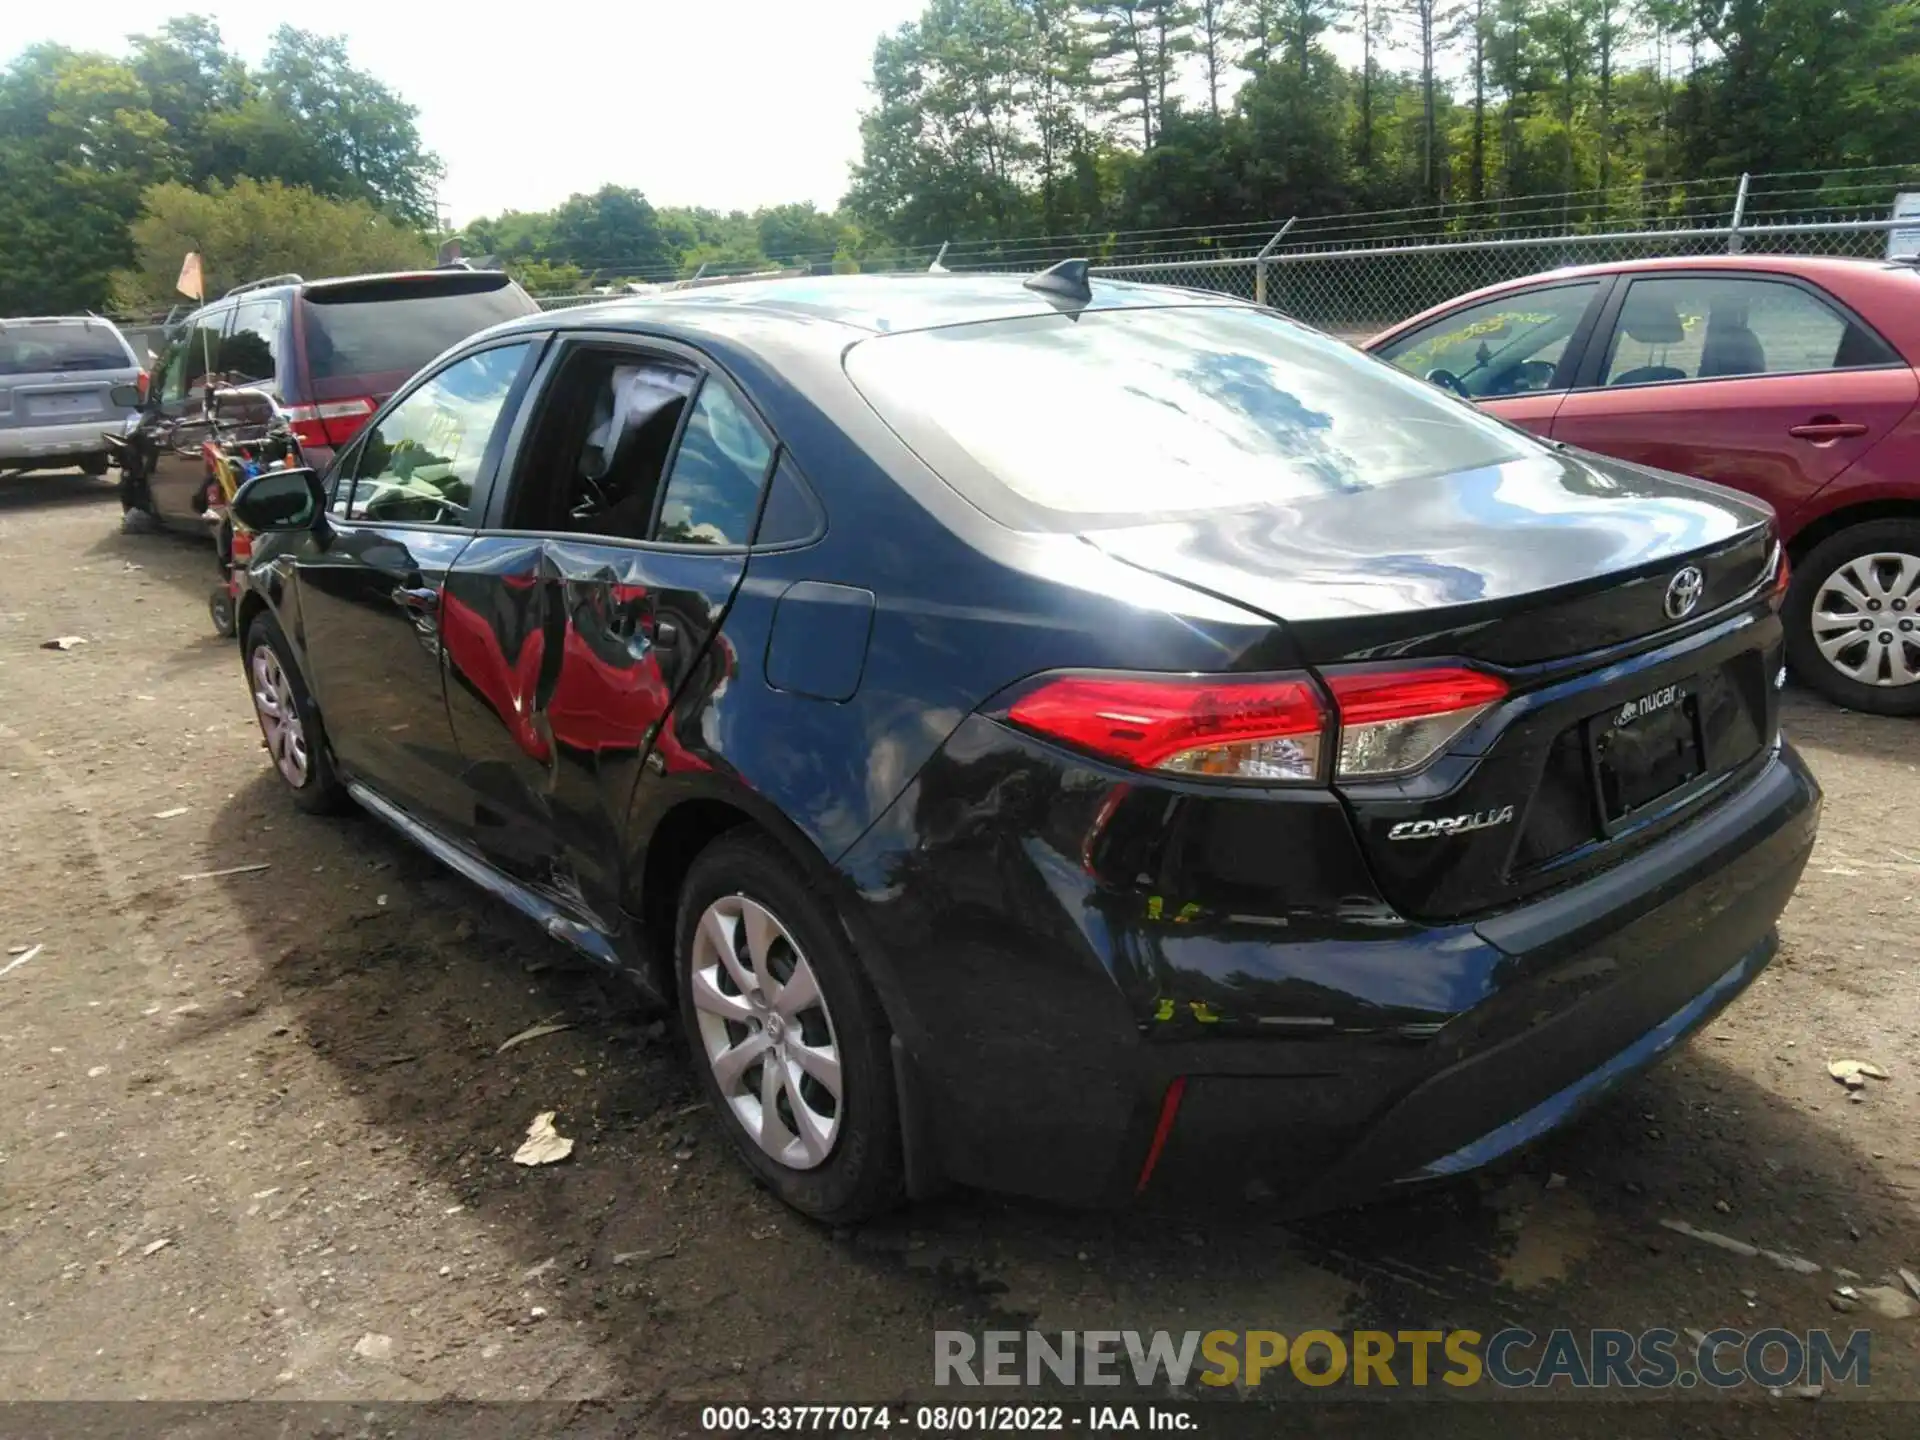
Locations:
{"points": [[1652, 321]]}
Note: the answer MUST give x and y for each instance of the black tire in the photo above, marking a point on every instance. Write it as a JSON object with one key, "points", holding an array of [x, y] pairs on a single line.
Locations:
{"points": [[220, 609], [321, 792], [862, 1173], [1813, 669], [94, 465]]}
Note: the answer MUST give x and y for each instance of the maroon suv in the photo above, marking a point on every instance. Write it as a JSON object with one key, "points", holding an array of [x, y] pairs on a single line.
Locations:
{"points": [[331, 351]]}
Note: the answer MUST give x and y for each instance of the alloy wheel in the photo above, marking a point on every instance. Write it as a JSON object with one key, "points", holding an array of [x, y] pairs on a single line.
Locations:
{"points": [[1866, 619], [279, 717], [767, 1033]]}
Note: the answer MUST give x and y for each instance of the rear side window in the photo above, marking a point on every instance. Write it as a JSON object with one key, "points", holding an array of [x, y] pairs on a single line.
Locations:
{"points": [[392, 327], [713, 490], [73, 345], [1114, 416], [1718, 327]]}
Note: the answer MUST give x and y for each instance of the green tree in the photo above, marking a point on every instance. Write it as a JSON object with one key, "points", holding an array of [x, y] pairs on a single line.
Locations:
{"points": [[79, 141], [614, 230], [1137, 46], [317, 120], [190, 79], [789, 233], [253, 228]]}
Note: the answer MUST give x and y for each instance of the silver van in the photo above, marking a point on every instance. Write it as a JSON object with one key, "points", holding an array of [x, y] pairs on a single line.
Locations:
{"points": [[57, 373]]}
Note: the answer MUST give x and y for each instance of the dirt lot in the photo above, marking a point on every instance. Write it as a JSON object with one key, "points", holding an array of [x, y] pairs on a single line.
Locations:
{"points": [[253, 1120]]}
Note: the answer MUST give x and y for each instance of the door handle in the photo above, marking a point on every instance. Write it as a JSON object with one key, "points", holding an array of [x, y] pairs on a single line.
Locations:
{"points": [[1824, 428], [419, 599]]}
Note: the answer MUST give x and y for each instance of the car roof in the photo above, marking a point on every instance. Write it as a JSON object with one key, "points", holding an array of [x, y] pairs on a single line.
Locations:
{"points": [[876, 304], [255, 290], [58, 320], [1837, 271]]}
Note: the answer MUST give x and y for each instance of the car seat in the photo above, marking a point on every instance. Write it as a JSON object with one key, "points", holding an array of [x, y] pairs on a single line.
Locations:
{"points": [[1731, 348], [633, 422], [1653, 322]]}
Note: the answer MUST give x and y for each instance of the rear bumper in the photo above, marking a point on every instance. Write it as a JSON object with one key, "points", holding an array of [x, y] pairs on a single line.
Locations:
{"points": [[51, 442], [1327, 1069]]}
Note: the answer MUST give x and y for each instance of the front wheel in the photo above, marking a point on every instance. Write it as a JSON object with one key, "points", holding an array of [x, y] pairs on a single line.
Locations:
{"points": [[289, 723], [1853, 618], [790, 1041]]}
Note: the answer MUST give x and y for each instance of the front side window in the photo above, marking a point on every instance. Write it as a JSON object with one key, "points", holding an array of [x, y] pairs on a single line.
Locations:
{"points": [[713, 491], [191, 357], [1509, 346], [1707, 327], [419, 463], [249, 353], [1113, 417]]}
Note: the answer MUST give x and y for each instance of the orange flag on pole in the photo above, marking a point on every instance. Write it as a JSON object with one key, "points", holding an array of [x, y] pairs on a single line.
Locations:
{"points": [[190, 282]]}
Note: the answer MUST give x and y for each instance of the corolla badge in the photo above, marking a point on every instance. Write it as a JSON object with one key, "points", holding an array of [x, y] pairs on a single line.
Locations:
{"points": [[1684, 591], [1451, 824]]}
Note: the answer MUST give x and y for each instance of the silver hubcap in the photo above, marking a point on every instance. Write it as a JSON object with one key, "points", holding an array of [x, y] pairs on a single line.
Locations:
{"points": [[765, 1028], [279, 717], [1864, 619]]}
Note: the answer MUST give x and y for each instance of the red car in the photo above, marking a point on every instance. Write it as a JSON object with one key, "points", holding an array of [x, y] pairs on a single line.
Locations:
{"points": [[1787, 377]]}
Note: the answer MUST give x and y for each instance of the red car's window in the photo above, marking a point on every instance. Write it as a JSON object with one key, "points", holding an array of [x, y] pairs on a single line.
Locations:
{"points": [[1507, 346], [1708, 327]]}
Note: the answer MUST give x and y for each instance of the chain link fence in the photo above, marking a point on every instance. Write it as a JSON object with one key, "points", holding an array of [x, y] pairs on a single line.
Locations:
{"points": [[1354, 274]]}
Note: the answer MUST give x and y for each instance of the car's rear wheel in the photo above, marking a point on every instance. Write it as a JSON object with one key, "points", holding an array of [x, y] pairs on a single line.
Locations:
{"points": [[95, 465], [1853, 618], [289, 724], [788, 1037]]}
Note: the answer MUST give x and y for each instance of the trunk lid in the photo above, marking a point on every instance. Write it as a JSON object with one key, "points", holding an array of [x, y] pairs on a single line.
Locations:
{"points": [[1556, 554], [1623, 718]]}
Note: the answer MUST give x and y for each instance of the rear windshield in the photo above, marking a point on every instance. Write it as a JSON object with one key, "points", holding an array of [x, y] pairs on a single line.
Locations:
{"points": [[62, 345], [382, 326], [1114, 416]]}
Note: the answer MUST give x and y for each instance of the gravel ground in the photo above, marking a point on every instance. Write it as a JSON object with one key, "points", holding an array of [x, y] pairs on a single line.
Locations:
{"points": [[258, 1125]]}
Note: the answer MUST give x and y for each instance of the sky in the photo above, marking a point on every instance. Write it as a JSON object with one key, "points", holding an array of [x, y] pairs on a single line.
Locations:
{"points": [[730, 104]]}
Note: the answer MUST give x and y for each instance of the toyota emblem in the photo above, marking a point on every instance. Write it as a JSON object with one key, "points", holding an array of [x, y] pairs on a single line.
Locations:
{"points": [[1684, 591]]}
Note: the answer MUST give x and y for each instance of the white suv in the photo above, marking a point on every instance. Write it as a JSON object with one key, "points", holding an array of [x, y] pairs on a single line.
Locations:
{"points": [[57, 376]]}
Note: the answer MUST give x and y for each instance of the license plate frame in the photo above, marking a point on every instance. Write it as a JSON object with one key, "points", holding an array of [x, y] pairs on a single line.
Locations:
{"points": [[70, 404], [1646, 751]]}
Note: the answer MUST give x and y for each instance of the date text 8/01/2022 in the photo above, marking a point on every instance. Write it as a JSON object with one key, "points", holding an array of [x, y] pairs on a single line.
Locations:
{"points": [[944, 1419]]}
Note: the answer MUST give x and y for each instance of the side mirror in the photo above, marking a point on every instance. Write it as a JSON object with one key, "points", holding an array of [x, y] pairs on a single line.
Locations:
{"points": [[279, 500], [126, 397]]}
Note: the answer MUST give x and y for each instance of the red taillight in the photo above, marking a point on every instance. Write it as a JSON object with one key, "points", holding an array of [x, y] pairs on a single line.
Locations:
{"points": [[144, 380], [1257, 727], [1262, 728], [1393, 722], [332, 423]]}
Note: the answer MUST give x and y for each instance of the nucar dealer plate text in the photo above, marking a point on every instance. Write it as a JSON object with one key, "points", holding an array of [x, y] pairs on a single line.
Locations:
{"points": [[1647, 748]]}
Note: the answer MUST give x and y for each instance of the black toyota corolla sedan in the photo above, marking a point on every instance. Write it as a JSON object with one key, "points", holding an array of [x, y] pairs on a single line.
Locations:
{"points": [[1072, 738]]}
